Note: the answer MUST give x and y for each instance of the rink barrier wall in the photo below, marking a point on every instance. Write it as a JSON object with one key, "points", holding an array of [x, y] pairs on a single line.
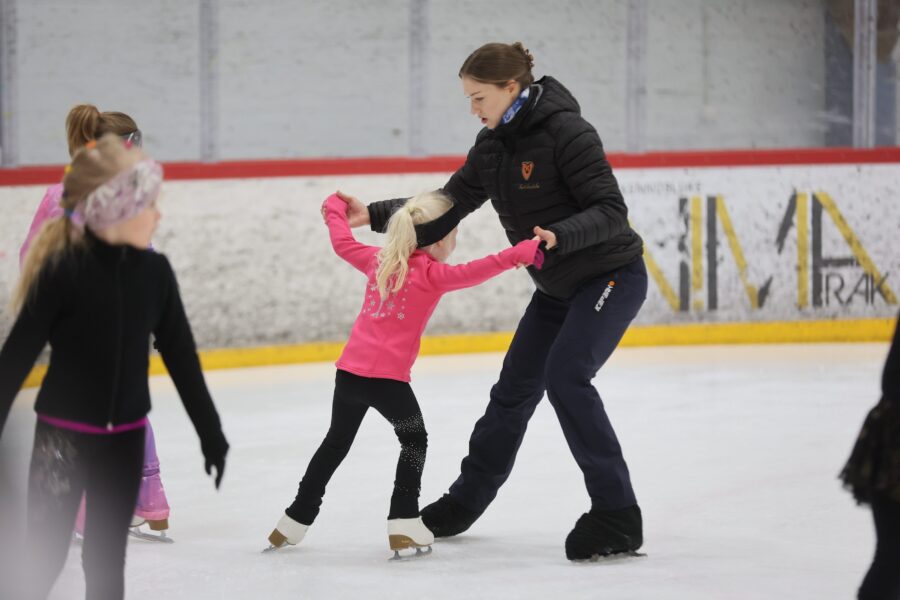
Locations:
{"points": [[709, 221], [857, 330]]}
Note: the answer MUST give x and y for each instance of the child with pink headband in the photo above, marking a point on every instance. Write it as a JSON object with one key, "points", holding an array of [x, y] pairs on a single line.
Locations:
{"points": [[96, 293], [84, 123]]}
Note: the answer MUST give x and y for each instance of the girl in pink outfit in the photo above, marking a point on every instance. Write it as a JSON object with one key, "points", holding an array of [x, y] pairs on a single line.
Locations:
{"points": [[49, 209], [406, 279], [83, 124]]}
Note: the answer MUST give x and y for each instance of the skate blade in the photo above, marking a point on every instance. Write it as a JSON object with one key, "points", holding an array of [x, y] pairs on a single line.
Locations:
{"points": [[277, 540], [161, 537], [612, 558], [420, 552], [274, 548]]}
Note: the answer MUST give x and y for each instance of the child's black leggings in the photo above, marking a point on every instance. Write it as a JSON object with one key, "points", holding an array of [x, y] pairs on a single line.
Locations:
{"points": [[64, 464], [353, 395]]}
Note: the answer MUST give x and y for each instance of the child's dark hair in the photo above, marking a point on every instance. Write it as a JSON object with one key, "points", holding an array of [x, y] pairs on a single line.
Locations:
{"points": [[85, 122]]}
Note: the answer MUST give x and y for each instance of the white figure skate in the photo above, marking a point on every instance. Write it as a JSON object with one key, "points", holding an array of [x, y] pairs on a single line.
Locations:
{"points": [[159, 527], [409, 533], [288, 532]]}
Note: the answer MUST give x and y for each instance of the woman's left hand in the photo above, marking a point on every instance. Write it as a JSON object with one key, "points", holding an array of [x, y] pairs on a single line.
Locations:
{"points": [[547, 236]]}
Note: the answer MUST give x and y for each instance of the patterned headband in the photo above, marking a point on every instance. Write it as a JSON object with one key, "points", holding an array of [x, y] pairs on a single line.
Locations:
{"points": [[123, 196]]}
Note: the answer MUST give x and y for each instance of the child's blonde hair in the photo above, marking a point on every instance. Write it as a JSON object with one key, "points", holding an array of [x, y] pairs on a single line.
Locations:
{"points": [[92, 166], [393, 259]]}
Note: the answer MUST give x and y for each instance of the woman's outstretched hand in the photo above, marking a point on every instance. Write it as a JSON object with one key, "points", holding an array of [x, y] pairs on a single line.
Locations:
{"points": [[357, 212], [545, 235]]}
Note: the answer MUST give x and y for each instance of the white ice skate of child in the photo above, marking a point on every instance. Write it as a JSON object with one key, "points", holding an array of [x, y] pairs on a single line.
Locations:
{"points": [[288, 532], [409, 533], [159, 527]]}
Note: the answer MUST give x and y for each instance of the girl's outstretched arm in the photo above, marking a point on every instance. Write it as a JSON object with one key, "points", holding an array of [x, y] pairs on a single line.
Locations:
{"points": [[345, 245], [447, 278]]}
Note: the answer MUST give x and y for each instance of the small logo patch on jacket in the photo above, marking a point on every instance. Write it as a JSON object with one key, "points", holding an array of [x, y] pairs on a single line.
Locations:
{"points": [[605, 295], [527, 168]]}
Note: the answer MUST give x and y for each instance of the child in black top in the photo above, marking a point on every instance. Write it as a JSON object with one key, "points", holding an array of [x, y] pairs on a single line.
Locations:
{"points": [[873, 475], [96, 294]]}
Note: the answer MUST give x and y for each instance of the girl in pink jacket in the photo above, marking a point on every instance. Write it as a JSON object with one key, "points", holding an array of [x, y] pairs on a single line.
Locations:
{"points": [[406, 279], [85, 123]]}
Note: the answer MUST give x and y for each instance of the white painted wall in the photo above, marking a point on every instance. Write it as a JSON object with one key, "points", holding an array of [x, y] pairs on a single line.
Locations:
{"points": [[256, 267], [316, 78]]}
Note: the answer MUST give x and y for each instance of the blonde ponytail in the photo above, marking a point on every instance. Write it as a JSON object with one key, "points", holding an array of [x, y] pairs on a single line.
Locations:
{"points": [[55, 238], [393, 258]]}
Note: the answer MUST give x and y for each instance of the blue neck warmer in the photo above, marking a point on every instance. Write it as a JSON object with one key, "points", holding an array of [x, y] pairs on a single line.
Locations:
{"points": [[515, 106]]}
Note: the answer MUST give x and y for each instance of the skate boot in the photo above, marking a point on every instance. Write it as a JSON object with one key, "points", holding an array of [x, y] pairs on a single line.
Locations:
{"points": [[446, 517], [288, 532], [600, 534], [159, 526], [409, 533]]}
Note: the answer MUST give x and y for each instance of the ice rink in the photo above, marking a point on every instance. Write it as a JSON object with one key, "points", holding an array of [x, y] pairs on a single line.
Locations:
{"points": [[734, 453]]}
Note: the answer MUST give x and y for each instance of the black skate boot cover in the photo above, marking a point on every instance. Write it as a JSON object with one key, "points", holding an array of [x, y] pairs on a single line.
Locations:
{"points": [[446, 517], [601, 533]]}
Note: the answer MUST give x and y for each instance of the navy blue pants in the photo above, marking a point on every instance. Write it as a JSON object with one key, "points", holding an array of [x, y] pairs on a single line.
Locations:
{"points": [[558, 347]]}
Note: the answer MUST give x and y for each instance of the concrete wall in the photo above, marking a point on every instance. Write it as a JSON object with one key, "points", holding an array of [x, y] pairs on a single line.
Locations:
{"points": [[298, 79], [256, 268]]}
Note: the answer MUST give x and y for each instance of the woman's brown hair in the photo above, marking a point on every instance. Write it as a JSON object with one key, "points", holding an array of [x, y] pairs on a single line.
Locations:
{"points": [[499, 64]]}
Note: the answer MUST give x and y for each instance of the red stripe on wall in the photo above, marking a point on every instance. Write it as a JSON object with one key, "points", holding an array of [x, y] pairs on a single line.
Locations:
{"points": [[445, 164], [748, 158]]}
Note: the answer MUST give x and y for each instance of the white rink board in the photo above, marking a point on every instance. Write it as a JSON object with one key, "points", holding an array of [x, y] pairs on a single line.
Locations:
{"points": [[256, 268]]}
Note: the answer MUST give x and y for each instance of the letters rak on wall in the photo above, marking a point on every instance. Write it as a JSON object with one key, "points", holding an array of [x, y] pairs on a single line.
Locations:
{"points": [[768, 243]]}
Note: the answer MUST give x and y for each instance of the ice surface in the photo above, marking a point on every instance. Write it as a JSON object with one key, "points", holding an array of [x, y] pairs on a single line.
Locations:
{"points": [[734, 453]]}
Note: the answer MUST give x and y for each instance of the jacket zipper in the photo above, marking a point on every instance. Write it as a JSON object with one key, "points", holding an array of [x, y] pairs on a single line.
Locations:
{"points": [[119, 326]]}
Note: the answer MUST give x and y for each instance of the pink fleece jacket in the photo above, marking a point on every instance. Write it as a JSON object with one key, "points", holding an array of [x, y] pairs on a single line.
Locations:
{"points": [[48, 209], [385, 338]]}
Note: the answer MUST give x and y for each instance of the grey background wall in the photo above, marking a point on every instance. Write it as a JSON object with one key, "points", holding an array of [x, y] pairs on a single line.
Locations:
{"points": [[234, 79]]}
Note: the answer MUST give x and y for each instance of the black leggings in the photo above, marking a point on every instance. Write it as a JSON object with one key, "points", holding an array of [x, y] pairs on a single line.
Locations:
{"points": [[64, 464], [353, 395], [882, 582]]}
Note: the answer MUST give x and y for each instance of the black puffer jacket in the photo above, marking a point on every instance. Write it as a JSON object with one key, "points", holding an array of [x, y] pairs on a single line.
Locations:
{"points": [[98, 306], [546, 167]]}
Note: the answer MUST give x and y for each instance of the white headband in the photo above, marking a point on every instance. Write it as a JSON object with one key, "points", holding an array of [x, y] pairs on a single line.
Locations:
{"points": [[123, 196]]}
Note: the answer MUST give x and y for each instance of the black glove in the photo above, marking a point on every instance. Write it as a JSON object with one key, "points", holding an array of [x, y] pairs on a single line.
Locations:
{"points": [[214, 452], [219, 464]]}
